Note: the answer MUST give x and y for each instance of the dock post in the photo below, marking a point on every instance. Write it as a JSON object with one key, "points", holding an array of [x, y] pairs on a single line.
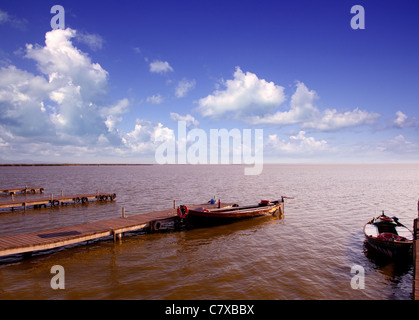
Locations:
{"points": [[116, 236], [123, 212], [13, 197], [415, 281]]}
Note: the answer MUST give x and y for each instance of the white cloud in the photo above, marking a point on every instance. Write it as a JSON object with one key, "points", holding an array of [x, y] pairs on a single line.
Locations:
{"points": [[4, 17], [160, 67], [401, 118], [62, 62], [302, 109], [155, 99], [65, 111], [21, 96], [183, 87], [93, 41], [190, 120], [304, 112], [331, 120], [398, 145], [12, 20], [296, 145], [403, 121], [244, 95], [114, 113], [146, 136]]}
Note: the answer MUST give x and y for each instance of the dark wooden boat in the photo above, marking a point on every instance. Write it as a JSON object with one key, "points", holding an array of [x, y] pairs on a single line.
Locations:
{"points": [[201, 216], [388, 236]]}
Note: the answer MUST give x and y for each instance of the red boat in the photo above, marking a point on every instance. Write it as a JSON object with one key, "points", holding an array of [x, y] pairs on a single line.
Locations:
{"points": [[201, 216]]}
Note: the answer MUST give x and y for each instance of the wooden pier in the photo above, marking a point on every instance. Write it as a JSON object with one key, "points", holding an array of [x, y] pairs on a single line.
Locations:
{"points": [[416, 258], [25, 189], [54, 201], [59, 237]]}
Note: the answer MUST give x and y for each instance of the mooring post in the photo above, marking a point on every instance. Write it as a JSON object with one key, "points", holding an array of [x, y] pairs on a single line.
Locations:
{"points": [[174, 204], [116, 236], [123, 212], [13, 197]]}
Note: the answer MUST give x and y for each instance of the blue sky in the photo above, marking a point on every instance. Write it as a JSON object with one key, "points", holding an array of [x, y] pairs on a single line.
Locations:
{"points": [[124, 72]]}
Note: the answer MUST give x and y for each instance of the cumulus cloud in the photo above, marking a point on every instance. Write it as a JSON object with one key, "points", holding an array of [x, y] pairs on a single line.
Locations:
{"points": [[21, 97], [155, 99], [62, 62], [298, 144], [301, 109], [244, 95], [183, 87], [331, 119], [65, 109], [399, 145], [255, 100], [304, 112], [15, 22], [113, 114], [146, 136], [190, 120], [160, 67], [93, 41], [403, 121]]}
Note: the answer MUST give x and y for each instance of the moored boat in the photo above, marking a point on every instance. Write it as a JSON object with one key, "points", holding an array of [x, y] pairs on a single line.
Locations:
{"points": [[201, 216], [388, 236]]}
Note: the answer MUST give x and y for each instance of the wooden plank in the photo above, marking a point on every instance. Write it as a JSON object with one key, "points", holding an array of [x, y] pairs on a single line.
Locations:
{"points": [[58, 237], [25, 189], [47, 200]]}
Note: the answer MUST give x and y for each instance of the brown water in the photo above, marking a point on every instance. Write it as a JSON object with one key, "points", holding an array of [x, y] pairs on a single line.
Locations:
{"points": [[306, 255]]}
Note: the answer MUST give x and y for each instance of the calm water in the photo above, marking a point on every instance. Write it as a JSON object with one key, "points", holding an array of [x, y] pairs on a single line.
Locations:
{"points": [[306, 255]]}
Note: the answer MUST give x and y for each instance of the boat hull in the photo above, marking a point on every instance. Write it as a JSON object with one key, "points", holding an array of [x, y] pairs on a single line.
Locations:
{"points": [[211, 218], [392, 249], [388, 236]]}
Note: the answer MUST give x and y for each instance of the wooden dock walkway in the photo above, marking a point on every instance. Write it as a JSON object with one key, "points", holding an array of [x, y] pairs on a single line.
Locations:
{"points": [[416, 258], [54, 201], [25, 189], [59, 237]]}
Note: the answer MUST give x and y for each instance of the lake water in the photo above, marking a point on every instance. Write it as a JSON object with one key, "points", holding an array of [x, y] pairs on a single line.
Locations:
{"points": [[308, 254]]}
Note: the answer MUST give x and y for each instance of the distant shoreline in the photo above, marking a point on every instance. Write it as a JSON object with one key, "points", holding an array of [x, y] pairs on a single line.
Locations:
{"points": [[71, 164], [152, 164]]}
